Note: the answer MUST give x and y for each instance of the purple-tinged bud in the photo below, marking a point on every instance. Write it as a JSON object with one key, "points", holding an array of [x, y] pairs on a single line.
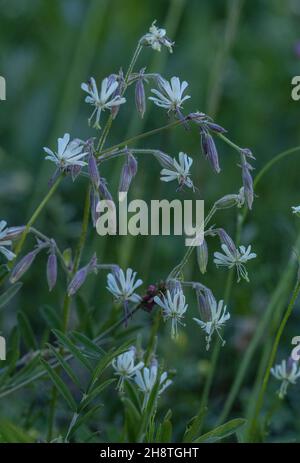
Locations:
{"points": [[94, 199], [205, 300], [225, 239], [78, 280], [23, 265], [164, 159], [209, 150], [197, 117], [140, 98], [13, 233], [248, 184], [103, 190], [248, 153], [228, 201], [52, 270], [202, 256], [215, 127], [129, 171], [93, 171]]}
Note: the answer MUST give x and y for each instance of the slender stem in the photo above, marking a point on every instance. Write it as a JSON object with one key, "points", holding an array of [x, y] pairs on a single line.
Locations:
{"points": [[259, 403], [131, 140], [35, 215]]}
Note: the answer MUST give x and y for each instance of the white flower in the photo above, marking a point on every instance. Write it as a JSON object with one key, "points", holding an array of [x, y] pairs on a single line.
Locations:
{"points": [[104, 100], [287, 372], [124, 366], [156, 37], [181, 171], [122, 285], [5, 243], [146, 380], [68, 153], [218, 316], [296, 210], [236, 259], [174, 308], [171, 97]]}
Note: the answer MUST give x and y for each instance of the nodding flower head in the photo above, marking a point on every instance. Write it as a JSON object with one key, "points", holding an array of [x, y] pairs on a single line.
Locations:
{"points": [[236, 259], [123, 285], [156, 37], [103, 99], [288, 372], [180, 171], [146, 379], [213, 315], [69, 153], [5, 242], [174, 308], [124, 366], [171, 95]]}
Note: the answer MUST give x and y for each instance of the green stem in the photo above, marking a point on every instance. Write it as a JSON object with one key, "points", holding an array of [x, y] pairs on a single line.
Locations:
{"points": [[259, 403], [35, 215]]}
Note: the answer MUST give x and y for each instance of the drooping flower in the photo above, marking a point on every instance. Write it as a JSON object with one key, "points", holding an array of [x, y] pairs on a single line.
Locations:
{"points": [[123, 285], [5, 243], [288, 372], [124, 366], [156, 37], [171, 95], [179, 172], [236, 259], [296, 210], [105, 99], [69, 153], [147, 378], [174, 308], [214, 315]]}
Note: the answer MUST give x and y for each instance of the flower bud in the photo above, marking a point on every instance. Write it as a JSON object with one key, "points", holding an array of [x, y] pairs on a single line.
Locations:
{"points": [[52, 270], [215, 127], [23, 265], [103, 190], [94, 199], [205, 299], [128, 173], [13, 233], [140, 99], [248, 184], [228, 201], [93, 171], [209, 150], [164, 159], [225, 239], [78, 280], [202, 256]]}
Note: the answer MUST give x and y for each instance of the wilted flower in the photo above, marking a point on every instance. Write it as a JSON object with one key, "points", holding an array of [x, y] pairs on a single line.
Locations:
{"points": [[124, 366], [288, 372], [171, 95], [147, 378], [180, 171], [209, 150], [235, 259], [214, 315], [5, 243], [122, 285], [156, 37], [104, 100], [233, 200], [174, 308], [69, 154], [296, 210]]}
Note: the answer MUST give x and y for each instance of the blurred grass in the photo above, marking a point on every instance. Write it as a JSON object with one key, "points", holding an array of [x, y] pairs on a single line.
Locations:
{"points": [[48, 48]]}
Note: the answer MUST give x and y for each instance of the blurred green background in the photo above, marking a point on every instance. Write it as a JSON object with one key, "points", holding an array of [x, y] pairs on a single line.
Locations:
{"points": [[239, 58]]}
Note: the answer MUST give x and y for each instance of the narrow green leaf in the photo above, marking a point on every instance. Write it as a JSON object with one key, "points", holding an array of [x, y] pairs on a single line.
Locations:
{"points": [[9, 294], [51, 317], [225, 430], [60, 385], [90, 347], [192, 429], [95, 393], [84, 418], [65, 365], [66, 342], [27, 331], [12, 434]]}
